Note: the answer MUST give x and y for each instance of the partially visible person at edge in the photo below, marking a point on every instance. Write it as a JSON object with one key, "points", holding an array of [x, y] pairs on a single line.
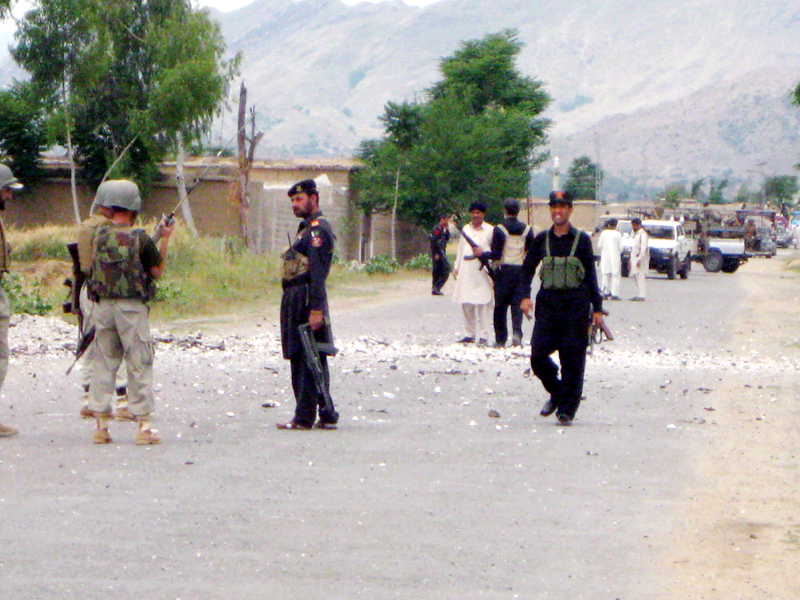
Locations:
{"points": [[305, 300], [101, 216], [640, 258], [126, 263], [610, 246], [8, 183], [511, 241], [474, 289], [441, 268], [568, 301]]}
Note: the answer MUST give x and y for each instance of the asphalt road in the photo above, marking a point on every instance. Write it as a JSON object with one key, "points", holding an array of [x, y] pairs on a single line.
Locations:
{"points": [[420, 494]]}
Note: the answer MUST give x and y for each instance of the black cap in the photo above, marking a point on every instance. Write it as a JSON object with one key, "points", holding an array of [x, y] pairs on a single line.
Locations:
{"points": [[560, 196], [309, 186], [477, 205]]}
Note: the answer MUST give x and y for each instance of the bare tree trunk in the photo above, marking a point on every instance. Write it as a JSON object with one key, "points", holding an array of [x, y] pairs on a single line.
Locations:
{"points": [[71, 157], [186, 210], [246, 157], [394, 213]]}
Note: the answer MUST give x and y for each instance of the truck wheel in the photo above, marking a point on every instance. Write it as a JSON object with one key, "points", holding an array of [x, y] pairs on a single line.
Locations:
{"points": [[730, 268], [672, 268], [687, 266], [713, 261], [625, 268]]}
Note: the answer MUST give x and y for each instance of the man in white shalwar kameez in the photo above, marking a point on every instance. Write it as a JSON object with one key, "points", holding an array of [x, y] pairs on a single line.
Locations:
{"points": [[610, 245], [474, 289], [640, 258]]}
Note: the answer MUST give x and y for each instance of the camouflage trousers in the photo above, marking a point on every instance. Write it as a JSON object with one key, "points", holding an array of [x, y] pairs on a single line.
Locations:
{"points": [[5, 351], [123, 331]]}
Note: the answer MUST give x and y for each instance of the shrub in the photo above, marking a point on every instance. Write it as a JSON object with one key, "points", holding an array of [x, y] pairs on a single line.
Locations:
{"points": [[22, 300], [420, 261], [382, 264]]}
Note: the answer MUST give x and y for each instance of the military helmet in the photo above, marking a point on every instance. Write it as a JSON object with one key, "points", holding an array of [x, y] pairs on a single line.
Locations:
{"points": [[121, 193], [7, 179]]}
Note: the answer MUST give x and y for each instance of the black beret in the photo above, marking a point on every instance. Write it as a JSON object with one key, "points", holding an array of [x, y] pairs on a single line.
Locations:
{"points": [[560, 196], [309, 186], [477, 205]]}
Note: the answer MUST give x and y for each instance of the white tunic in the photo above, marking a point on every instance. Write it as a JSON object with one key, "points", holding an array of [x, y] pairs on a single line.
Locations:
{"points": [[610, 245], [473, 285], [641, 249]]}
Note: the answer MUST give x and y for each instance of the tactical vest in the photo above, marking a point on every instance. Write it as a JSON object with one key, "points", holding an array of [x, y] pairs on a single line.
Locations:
{"points": [[117, 270], [514, 246], [562, 272], [294, 264]]}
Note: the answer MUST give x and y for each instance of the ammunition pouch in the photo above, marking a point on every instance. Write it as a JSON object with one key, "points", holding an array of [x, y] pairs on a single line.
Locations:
{"points": [[294, 264], [562, 272]]}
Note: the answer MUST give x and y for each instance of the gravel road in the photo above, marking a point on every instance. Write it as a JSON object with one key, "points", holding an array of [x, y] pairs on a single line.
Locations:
{"points": [[420, 494]]}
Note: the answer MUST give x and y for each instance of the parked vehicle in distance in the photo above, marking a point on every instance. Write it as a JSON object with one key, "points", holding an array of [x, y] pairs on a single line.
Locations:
{"points": [[784, 236], [721, 252], [671, 249]]}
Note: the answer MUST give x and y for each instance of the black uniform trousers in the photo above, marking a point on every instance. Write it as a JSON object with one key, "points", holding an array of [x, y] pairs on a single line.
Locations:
{"points": [[561, 326], [440, 272], [505, 286], [306, 394], [294, 312]]}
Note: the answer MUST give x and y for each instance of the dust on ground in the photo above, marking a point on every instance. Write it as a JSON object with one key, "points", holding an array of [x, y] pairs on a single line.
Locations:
{"points": [[740, 529]]}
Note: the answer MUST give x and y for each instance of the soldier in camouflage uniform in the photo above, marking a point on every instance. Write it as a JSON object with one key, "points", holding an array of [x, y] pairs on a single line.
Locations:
{"points": [[101, 216], [126, 263], [8, 183]]}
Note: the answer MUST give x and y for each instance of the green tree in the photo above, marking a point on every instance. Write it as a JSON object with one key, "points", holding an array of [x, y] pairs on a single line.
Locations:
{"points": [[125, 77], [22, 133], [697, 189], [715, 190], [475, 138], [584, 178], [780, 190]]}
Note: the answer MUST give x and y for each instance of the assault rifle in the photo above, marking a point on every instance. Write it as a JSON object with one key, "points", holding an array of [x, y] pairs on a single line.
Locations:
{"points": [[72, 305], [86, 340], [483, 259], [311, 350], [596, 333]]}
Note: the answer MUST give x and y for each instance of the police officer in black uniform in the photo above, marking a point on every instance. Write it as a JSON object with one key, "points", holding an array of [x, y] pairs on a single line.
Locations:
{"points": [[568, 301], [511, 241], [305, 300], [441, 268]]}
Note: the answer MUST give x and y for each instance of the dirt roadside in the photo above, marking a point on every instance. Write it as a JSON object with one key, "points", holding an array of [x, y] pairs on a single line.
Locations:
{"points": [[740, 534]]}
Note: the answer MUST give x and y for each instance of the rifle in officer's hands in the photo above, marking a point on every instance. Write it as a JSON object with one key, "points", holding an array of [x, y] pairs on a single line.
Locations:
{"points": [[483, 259], [86, 340], [311, 350], [596, 333], [72, 305]]}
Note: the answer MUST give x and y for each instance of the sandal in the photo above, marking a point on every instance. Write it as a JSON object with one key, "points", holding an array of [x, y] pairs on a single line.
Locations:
{"points": [[291, 425], [324, 425]]}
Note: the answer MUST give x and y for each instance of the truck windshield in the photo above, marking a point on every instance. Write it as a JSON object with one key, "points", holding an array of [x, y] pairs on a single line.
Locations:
{"points": [[661, 232]]}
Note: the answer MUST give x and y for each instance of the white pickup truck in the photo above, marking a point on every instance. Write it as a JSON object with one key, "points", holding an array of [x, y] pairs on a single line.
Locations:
{"points": [[671, 249]]}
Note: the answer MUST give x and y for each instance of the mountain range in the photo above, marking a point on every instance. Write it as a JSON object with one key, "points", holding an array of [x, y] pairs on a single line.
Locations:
{"points": [[657, 91]]}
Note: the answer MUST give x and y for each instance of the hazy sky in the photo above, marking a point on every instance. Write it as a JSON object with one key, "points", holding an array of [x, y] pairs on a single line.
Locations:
{"points": [[226, 5]]}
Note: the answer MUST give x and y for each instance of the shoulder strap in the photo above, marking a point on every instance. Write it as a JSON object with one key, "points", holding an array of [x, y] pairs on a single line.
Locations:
{"points": [[502, 228], [575, 243]]}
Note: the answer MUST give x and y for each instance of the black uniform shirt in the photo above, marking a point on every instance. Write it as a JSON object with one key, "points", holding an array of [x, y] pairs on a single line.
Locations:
{"points": [[561, 246], [439, 239], [315, 239]]}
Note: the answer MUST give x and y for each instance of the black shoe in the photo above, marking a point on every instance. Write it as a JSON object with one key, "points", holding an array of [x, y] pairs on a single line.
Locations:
{"points": [[549, 408], [516, 340], [499, 345], [564, 420], [466, 340], [436, 293], [483, 342]]}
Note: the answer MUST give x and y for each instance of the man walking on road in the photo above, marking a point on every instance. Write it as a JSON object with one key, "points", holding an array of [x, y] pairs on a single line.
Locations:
{"points": [[511, 241], [474, 289], [8, 183], [441, 268], [610, 245], [305, 268], [568, 301], [640, 258]]}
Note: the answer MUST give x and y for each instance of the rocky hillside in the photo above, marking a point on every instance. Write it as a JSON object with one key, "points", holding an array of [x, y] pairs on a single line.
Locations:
{"points": [[658, 89]]}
